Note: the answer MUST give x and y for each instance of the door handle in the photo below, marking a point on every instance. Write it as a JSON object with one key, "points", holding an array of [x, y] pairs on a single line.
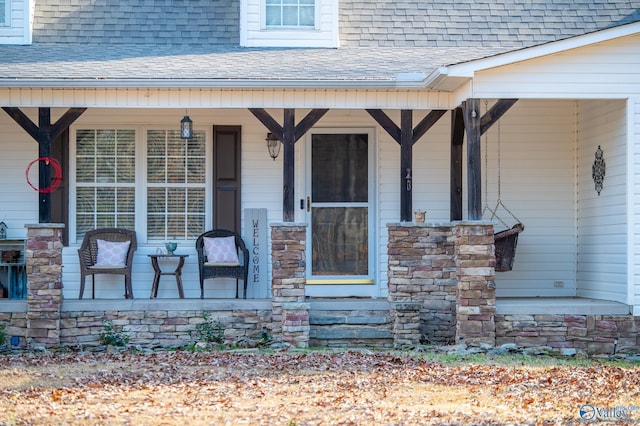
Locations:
{"points": [[308, 204]]}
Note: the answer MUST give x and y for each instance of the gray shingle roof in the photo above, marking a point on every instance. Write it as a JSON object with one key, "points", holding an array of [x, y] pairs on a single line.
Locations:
{"points": [[198, 39], [487, 23]]}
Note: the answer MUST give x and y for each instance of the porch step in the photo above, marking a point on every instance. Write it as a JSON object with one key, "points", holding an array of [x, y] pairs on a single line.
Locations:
{"points": [[350, 322]]}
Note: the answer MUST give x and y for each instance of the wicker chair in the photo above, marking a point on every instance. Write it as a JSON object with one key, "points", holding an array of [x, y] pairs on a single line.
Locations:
{"points": [[213, 270], [88, 254]]}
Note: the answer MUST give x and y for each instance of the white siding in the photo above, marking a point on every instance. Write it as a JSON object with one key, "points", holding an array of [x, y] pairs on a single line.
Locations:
{"points": [[605, 70], [18, 201], [539, 147], [537, 180], [262, 188], [602, 220], [634, 190]]}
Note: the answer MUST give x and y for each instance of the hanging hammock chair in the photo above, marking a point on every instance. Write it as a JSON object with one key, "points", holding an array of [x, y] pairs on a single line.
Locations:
{"points": [[505, 241], [505, 245]]}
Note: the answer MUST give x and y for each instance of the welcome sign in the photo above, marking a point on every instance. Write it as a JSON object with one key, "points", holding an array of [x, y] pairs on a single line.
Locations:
{"points": [[255, 238]]}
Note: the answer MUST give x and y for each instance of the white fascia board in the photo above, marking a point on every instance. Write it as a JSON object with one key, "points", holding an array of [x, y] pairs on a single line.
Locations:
{"points": [[468, 69]]}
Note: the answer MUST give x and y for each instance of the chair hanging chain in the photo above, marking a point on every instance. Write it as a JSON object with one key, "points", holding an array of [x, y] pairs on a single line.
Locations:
{"points": [[494, 212], [486, 166]]}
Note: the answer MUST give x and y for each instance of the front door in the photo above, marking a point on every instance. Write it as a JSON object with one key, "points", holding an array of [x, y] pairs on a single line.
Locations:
{"points": [[338, 205]]}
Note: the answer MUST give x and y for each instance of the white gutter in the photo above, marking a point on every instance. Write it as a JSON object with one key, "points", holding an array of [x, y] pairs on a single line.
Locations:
{"points": [[401, 82]]}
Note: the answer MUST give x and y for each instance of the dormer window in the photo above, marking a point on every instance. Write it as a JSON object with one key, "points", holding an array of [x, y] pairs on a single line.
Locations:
{"points": [[289, 23], [290, 13], [4, 13], [16, 21]]}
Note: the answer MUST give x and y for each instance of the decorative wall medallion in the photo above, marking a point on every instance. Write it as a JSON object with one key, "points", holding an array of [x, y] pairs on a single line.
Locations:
{"points": [[598, 170]]}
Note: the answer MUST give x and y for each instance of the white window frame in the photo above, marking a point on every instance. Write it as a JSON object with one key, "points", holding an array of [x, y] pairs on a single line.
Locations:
{"points": [[181, 185], [255, 33], [7, 13], [140, 181], [316, 16]]}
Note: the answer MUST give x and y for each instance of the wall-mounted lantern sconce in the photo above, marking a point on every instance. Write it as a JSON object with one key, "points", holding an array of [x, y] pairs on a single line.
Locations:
{"points": [[186, 128], [273, 145], [3, 231]]}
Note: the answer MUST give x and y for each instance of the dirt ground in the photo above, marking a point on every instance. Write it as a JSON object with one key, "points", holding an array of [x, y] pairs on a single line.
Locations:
{"points": [[311, 388]]}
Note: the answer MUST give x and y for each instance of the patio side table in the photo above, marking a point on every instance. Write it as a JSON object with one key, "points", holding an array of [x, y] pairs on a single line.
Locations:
{"points": [[158, 272]]}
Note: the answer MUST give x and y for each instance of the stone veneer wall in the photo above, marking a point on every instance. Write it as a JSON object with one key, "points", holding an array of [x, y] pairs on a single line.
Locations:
{"points": [[422, 269], [593, 334], [44, 283], [160, 327], [476, 292], [16, 325], [288, 262]]}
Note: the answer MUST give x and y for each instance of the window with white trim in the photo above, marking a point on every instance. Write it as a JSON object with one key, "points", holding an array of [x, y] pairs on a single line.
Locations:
{"points": [[105, 179], [4, 12], [290, 13], [173, 183], [289, 23]]}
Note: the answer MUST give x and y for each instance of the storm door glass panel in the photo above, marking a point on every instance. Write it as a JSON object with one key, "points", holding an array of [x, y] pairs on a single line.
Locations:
{"points": [[339, 204], [175, 185]]}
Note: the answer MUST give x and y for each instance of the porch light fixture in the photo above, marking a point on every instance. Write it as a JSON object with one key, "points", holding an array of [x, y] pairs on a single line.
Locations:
{"points": [[186, 128], [3, 230], [273, 145]]}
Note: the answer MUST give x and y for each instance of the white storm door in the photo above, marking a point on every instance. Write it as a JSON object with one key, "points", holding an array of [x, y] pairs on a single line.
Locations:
{"points": [[339, 212]]}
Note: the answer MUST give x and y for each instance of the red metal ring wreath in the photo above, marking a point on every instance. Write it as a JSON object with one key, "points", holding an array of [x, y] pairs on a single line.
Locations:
{"points": [[55, 180]]}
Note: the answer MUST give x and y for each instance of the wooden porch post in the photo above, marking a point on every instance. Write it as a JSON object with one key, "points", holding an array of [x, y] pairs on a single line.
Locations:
{"points": [[406, 165], [288, 158], [44, 134], [44, 150], [406, 136], [457, 139], [475, 126], [471, 109], [289, 134]]}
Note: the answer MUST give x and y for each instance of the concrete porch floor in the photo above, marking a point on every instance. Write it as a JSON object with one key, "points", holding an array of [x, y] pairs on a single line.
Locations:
{"points": [[504, 306], [559, 305]]}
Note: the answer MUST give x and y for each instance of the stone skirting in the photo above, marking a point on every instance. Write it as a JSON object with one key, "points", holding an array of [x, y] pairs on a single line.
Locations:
{"points": [[441, 289], [288, 262], [160, 328], [476, 289], [449, 270], [422, 269], [44, 283], [593, 334]]}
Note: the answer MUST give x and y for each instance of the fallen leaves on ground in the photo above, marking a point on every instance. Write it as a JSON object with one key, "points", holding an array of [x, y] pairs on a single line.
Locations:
{"points": [[314, 388]]}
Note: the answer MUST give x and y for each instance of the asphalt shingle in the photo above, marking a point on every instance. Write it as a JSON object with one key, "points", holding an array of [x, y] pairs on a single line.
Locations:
{"points": [[199, 39]]}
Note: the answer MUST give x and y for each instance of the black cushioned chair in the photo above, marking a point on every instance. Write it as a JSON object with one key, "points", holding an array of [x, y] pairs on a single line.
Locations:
{"points": [[88, 254], [216, 270]]}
